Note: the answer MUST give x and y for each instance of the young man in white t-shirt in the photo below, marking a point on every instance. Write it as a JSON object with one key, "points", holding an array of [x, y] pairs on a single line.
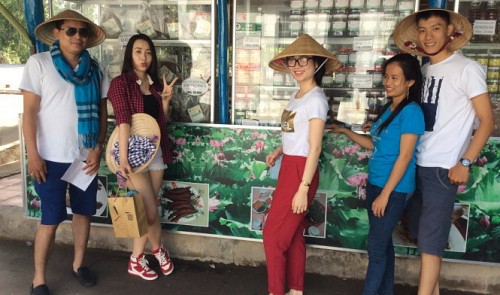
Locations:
{"points": [[454, 96], [64, 119]]}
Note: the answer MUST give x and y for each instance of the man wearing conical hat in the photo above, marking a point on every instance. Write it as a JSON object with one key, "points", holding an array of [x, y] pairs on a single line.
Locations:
{"points": [[64, 121], [454, 97]]}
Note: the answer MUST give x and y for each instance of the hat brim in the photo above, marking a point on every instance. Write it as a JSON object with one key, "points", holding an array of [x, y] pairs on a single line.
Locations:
{"points": [[406, 31], [44, 31], [305, 45], [142, 125]]}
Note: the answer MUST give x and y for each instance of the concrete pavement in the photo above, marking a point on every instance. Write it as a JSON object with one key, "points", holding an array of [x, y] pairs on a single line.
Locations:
{"points": [[188, 278]]}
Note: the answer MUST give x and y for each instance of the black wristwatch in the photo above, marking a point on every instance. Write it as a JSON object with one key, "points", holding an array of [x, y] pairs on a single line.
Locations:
{"points": [[466, 162]]}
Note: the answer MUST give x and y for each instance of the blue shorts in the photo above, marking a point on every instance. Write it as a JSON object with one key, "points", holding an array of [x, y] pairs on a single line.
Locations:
{"points": [[430, 210], [52, 193]]}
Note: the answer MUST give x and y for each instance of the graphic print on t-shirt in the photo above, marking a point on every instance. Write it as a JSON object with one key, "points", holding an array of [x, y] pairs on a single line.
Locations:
{"points": [[430, 100], [287, 121]]}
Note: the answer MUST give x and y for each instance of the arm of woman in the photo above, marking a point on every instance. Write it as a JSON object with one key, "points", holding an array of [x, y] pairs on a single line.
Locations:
{"points": [[363, 140], [272, 157], [406, 148], [316, 127], [123, 135], [166, 95]]}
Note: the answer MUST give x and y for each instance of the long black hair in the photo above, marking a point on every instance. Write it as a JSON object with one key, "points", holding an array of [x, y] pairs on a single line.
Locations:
{"points": [[411, 71], [128, 63], [318, 76]]}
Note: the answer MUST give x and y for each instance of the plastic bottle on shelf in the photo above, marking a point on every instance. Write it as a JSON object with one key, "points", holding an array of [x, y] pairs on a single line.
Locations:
{"points": [[474, 14], [491, 13]]}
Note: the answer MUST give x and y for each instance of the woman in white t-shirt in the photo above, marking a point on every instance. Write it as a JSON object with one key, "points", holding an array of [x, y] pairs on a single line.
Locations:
{"points": [[302, 125]]}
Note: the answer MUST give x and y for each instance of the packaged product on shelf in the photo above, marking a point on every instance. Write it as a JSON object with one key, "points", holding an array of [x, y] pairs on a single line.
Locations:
{"points": [[491, 14], [343, 55], [373, 4], [494, 59], [341, 5], [389, 5], [493, 86], [493, 73], [406, 6], [339, 25], [296, 6], [339, 79], [311, 5], [327, 81], [148, 22], [111, 23], [356, 5], [353, 24], [325, 5], [387, 23], [296, 22]]}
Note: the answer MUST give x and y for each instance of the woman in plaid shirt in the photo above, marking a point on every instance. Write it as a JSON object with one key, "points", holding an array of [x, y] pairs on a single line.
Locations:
{"points": [[138, 90]]}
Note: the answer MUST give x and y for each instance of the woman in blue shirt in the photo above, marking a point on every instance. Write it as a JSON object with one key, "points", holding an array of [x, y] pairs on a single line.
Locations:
{"points": [[391, 170]]}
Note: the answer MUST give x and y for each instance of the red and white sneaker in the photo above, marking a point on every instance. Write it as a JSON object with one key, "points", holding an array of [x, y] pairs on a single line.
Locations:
{"points": [[138, 266], [166, 265]]}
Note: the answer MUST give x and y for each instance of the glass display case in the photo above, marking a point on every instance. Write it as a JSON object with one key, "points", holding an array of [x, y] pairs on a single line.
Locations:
{"points": [[183, 34], [485, 45], [357, 31]]}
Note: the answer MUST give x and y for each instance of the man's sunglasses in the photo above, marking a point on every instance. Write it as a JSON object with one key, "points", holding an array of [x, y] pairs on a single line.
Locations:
{"points": [[70, 32]]}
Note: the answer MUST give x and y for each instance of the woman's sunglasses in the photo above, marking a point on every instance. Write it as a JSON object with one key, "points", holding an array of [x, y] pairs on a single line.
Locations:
{"points": [[70, 32]]}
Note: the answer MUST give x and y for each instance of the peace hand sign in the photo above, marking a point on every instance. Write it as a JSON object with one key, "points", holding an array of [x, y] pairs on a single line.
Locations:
{"points": [[168, 89]]}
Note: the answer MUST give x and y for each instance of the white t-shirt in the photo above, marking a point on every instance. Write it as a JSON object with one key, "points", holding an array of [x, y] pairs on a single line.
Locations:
{"points": [[57, 134], [449, 115], [312, 105]]}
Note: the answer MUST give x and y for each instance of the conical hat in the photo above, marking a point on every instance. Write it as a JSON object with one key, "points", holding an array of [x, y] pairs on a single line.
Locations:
{"points": [[143, 125], [305, 45], [406, 35], [44, 30]]}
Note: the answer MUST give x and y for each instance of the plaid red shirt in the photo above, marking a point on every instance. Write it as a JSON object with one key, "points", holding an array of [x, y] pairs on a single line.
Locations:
{"points": [[127, 99]]}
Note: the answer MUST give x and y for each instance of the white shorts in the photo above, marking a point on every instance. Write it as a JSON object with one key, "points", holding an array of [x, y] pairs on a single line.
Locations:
{"points": [[157, 163]]}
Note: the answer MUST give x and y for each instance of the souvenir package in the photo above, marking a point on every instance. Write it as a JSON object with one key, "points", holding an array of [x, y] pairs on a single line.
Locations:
{"points": [[148, 23], [111, 23]]}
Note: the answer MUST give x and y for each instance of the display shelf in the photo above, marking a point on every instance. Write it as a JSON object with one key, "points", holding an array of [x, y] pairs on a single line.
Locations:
{"points": [[139, 2], [183, 34], [159, 42]]}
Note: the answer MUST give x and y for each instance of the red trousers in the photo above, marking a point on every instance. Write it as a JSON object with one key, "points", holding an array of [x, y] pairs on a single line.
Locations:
{"points": [[284, 242]]}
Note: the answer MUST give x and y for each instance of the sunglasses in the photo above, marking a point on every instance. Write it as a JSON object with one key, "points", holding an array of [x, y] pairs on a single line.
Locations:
{"points": [[302, 61], [70, 32]]}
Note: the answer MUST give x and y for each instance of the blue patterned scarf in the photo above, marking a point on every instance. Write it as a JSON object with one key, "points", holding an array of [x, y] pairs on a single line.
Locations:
{"points": [[86, 78]]}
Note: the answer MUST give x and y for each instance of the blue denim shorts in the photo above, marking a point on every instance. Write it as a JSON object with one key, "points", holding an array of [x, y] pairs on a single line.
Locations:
{"points": [[53, 191], [431, 208]]}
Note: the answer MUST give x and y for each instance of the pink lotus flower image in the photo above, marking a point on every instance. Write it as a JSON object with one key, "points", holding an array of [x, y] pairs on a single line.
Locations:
{"points": [[352, 149], [259, 146], [180, 141], [216, 144], [358, 179], [213, 203], [35, 203]]}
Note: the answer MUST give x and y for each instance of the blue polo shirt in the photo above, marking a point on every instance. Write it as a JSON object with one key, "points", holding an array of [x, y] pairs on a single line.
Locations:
{"points": [[386, 146]]}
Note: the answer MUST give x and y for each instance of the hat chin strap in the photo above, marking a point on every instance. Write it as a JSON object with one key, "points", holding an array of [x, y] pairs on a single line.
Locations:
{"points": [[414, 46], [321, 65]]}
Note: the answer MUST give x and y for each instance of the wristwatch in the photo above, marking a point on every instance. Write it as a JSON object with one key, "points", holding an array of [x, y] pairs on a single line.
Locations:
{"points": [[466, 162]]}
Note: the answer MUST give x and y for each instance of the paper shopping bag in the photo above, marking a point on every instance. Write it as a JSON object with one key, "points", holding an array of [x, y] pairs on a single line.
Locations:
{"points": [[128, 216]]}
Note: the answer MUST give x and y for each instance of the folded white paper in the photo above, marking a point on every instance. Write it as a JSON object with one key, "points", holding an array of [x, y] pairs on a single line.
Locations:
{"points": [[76, 176]]}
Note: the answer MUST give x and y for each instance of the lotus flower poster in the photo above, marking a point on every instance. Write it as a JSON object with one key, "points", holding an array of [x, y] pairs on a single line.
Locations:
{"points": [[223, 173]]}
